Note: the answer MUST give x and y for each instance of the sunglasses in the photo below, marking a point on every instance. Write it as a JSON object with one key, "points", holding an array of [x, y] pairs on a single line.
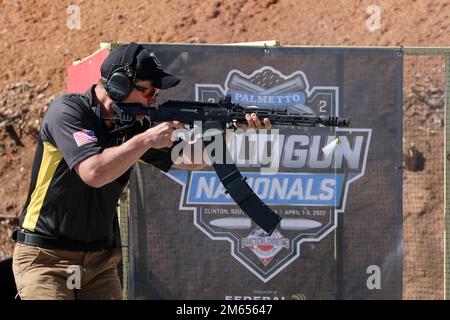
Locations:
{"points": [[150, 92]]}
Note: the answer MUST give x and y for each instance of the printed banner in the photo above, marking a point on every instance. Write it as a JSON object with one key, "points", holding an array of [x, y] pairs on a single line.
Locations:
{"points": [[337, 189]]}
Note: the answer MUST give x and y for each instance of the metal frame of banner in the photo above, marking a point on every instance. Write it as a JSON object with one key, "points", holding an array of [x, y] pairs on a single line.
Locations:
{"points": [[447, 179], [419, 51], [124, 233]]}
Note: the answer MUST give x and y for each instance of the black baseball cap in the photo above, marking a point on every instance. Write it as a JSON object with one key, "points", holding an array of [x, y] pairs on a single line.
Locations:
{"points": [[146, 64]]}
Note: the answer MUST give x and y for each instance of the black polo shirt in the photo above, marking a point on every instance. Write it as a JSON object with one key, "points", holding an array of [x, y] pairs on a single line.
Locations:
{"points": [[59, 204]]}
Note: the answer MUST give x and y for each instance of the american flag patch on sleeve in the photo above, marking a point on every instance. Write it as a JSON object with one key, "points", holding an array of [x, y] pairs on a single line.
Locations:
{"points": [[84, 136]]}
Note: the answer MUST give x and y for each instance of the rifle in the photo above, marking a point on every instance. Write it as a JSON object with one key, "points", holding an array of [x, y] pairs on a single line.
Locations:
{"points": [[220, 116], [224, 112]]}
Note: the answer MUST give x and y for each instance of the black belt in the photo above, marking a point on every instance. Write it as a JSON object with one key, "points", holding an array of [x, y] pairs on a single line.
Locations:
{"points": [[52, 243]]}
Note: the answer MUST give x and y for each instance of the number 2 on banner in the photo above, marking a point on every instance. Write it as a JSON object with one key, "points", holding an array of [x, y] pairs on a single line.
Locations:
{"points": [[323, 105]]}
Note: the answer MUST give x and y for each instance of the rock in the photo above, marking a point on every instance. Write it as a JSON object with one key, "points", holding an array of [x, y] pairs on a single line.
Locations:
{"points": [[194, 40], [435, 121], [414, 159], [435, 102], [269, 3], [213, 13]]}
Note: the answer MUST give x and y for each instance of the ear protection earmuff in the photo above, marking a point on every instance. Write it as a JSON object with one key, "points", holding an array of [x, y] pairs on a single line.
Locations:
{"points": [[121, 77]]}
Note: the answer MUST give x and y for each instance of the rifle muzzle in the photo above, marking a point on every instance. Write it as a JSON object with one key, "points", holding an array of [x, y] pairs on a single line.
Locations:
{"points": [[335, 121]]}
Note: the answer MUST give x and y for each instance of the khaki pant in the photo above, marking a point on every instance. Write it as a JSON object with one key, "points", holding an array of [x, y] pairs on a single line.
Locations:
{"points": [[47, 274]]}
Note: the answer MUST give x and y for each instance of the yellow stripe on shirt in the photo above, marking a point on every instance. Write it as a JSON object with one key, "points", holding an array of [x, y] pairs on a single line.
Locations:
{"points": [[51, 157]]}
